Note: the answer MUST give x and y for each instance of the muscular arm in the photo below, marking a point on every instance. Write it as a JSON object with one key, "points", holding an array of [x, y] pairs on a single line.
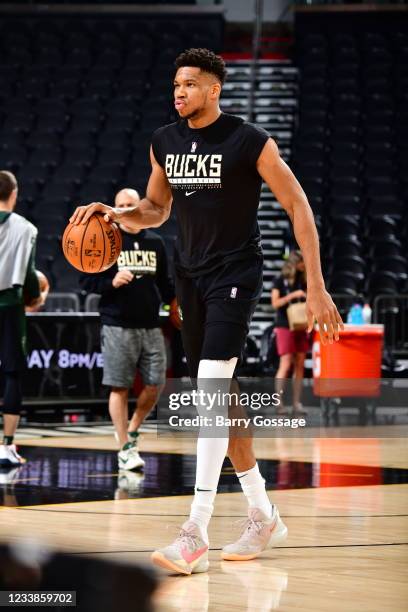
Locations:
{"points": [[287, 190], [155, 208], [283, 183], [152, 211]]}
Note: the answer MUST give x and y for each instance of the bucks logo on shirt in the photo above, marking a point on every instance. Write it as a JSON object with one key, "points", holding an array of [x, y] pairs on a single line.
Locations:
{"points": [[215, 186], [138, 261], [192, 171]]}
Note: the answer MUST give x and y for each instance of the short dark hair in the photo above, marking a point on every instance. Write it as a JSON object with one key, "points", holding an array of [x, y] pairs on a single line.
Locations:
{"points": [[8, 183], [204, 59]]}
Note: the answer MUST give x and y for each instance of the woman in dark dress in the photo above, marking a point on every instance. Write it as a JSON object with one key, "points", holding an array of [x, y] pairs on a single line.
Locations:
{"points": [[292, 346]]}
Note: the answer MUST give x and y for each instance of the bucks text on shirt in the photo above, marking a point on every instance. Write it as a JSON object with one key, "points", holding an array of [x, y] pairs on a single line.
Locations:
{"points": [[216, 188]]}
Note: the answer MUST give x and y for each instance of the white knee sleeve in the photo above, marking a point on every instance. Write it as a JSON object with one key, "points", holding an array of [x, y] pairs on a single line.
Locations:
{"points": [[211, 368]]}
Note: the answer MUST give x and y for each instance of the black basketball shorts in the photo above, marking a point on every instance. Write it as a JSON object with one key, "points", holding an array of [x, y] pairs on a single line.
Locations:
{"points": [[12, 339], [217, 309]]}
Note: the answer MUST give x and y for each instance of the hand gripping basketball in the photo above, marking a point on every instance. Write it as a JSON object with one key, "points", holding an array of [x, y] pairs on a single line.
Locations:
{"points": [[82, 214], [92, 242]]}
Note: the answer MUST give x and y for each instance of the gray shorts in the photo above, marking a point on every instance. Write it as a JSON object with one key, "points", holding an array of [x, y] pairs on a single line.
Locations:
{"points": [[125, 350]]}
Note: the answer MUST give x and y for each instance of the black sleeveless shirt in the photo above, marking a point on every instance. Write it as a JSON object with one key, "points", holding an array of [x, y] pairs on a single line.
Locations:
{"points": [[216, 188]]}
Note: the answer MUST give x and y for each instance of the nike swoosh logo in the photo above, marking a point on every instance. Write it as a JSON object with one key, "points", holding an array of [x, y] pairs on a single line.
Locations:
{"points": [[190, 557], [189, 193]]}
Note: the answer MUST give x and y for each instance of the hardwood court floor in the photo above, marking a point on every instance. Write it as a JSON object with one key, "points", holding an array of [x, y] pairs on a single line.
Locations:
{"points": [[347, 547]]}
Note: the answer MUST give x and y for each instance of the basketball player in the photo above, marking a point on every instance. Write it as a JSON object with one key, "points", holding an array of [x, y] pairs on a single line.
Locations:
{"points": [[18, 283], [212, 165], [131, 338]]}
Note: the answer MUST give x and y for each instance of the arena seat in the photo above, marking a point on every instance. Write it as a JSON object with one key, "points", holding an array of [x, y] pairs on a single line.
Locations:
{"points": [[79, 101], [352, 102], [62, 302]]}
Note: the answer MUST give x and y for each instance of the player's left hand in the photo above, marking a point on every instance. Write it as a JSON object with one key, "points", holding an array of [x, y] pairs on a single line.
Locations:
{"points": [[321, 308]]}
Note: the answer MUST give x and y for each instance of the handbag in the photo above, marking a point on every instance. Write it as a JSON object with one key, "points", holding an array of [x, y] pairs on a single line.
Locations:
{"points": [[297, 318]]}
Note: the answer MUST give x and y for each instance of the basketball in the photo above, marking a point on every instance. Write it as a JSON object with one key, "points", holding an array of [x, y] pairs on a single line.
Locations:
{"points": [[43, 280], [92, 247], [175, 315], [44, 286]]}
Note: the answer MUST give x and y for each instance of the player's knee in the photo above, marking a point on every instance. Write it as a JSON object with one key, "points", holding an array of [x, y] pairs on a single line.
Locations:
{"points": [[13, 408], [120, 390], [216, 368], [153, 391]]}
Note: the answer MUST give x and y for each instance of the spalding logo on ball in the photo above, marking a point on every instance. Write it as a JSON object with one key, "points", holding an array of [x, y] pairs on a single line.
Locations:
{"points": [[93, 246]]}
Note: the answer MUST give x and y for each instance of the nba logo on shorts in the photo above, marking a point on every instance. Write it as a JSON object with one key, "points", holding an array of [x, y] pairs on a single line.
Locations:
{"points": [[193, 147], [233, 293]]}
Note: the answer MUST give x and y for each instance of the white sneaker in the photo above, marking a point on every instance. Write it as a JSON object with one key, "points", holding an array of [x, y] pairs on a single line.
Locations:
{"points": [[130, 481], [188, 554], [9, 455], [259, 533], [129, 458], [9, 475]]}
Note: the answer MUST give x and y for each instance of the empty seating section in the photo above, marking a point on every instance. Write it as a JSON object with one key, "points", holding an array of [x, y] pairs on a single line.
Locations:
{"points": [[350, 153], [273, 102], [79, 100], [95, 2]]}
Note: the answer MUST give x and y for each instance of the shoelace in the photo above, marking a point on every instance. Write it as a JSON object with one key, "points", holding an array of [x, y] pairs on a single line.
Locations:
{"points": [[248, 525], [187, 538], [184, 537]]}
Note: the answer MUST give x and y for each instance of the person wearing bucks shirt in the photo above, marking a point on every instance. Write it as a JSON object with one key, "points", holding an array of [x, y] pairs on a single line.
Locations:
{"points": [[131, 338], [210, 166]]}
